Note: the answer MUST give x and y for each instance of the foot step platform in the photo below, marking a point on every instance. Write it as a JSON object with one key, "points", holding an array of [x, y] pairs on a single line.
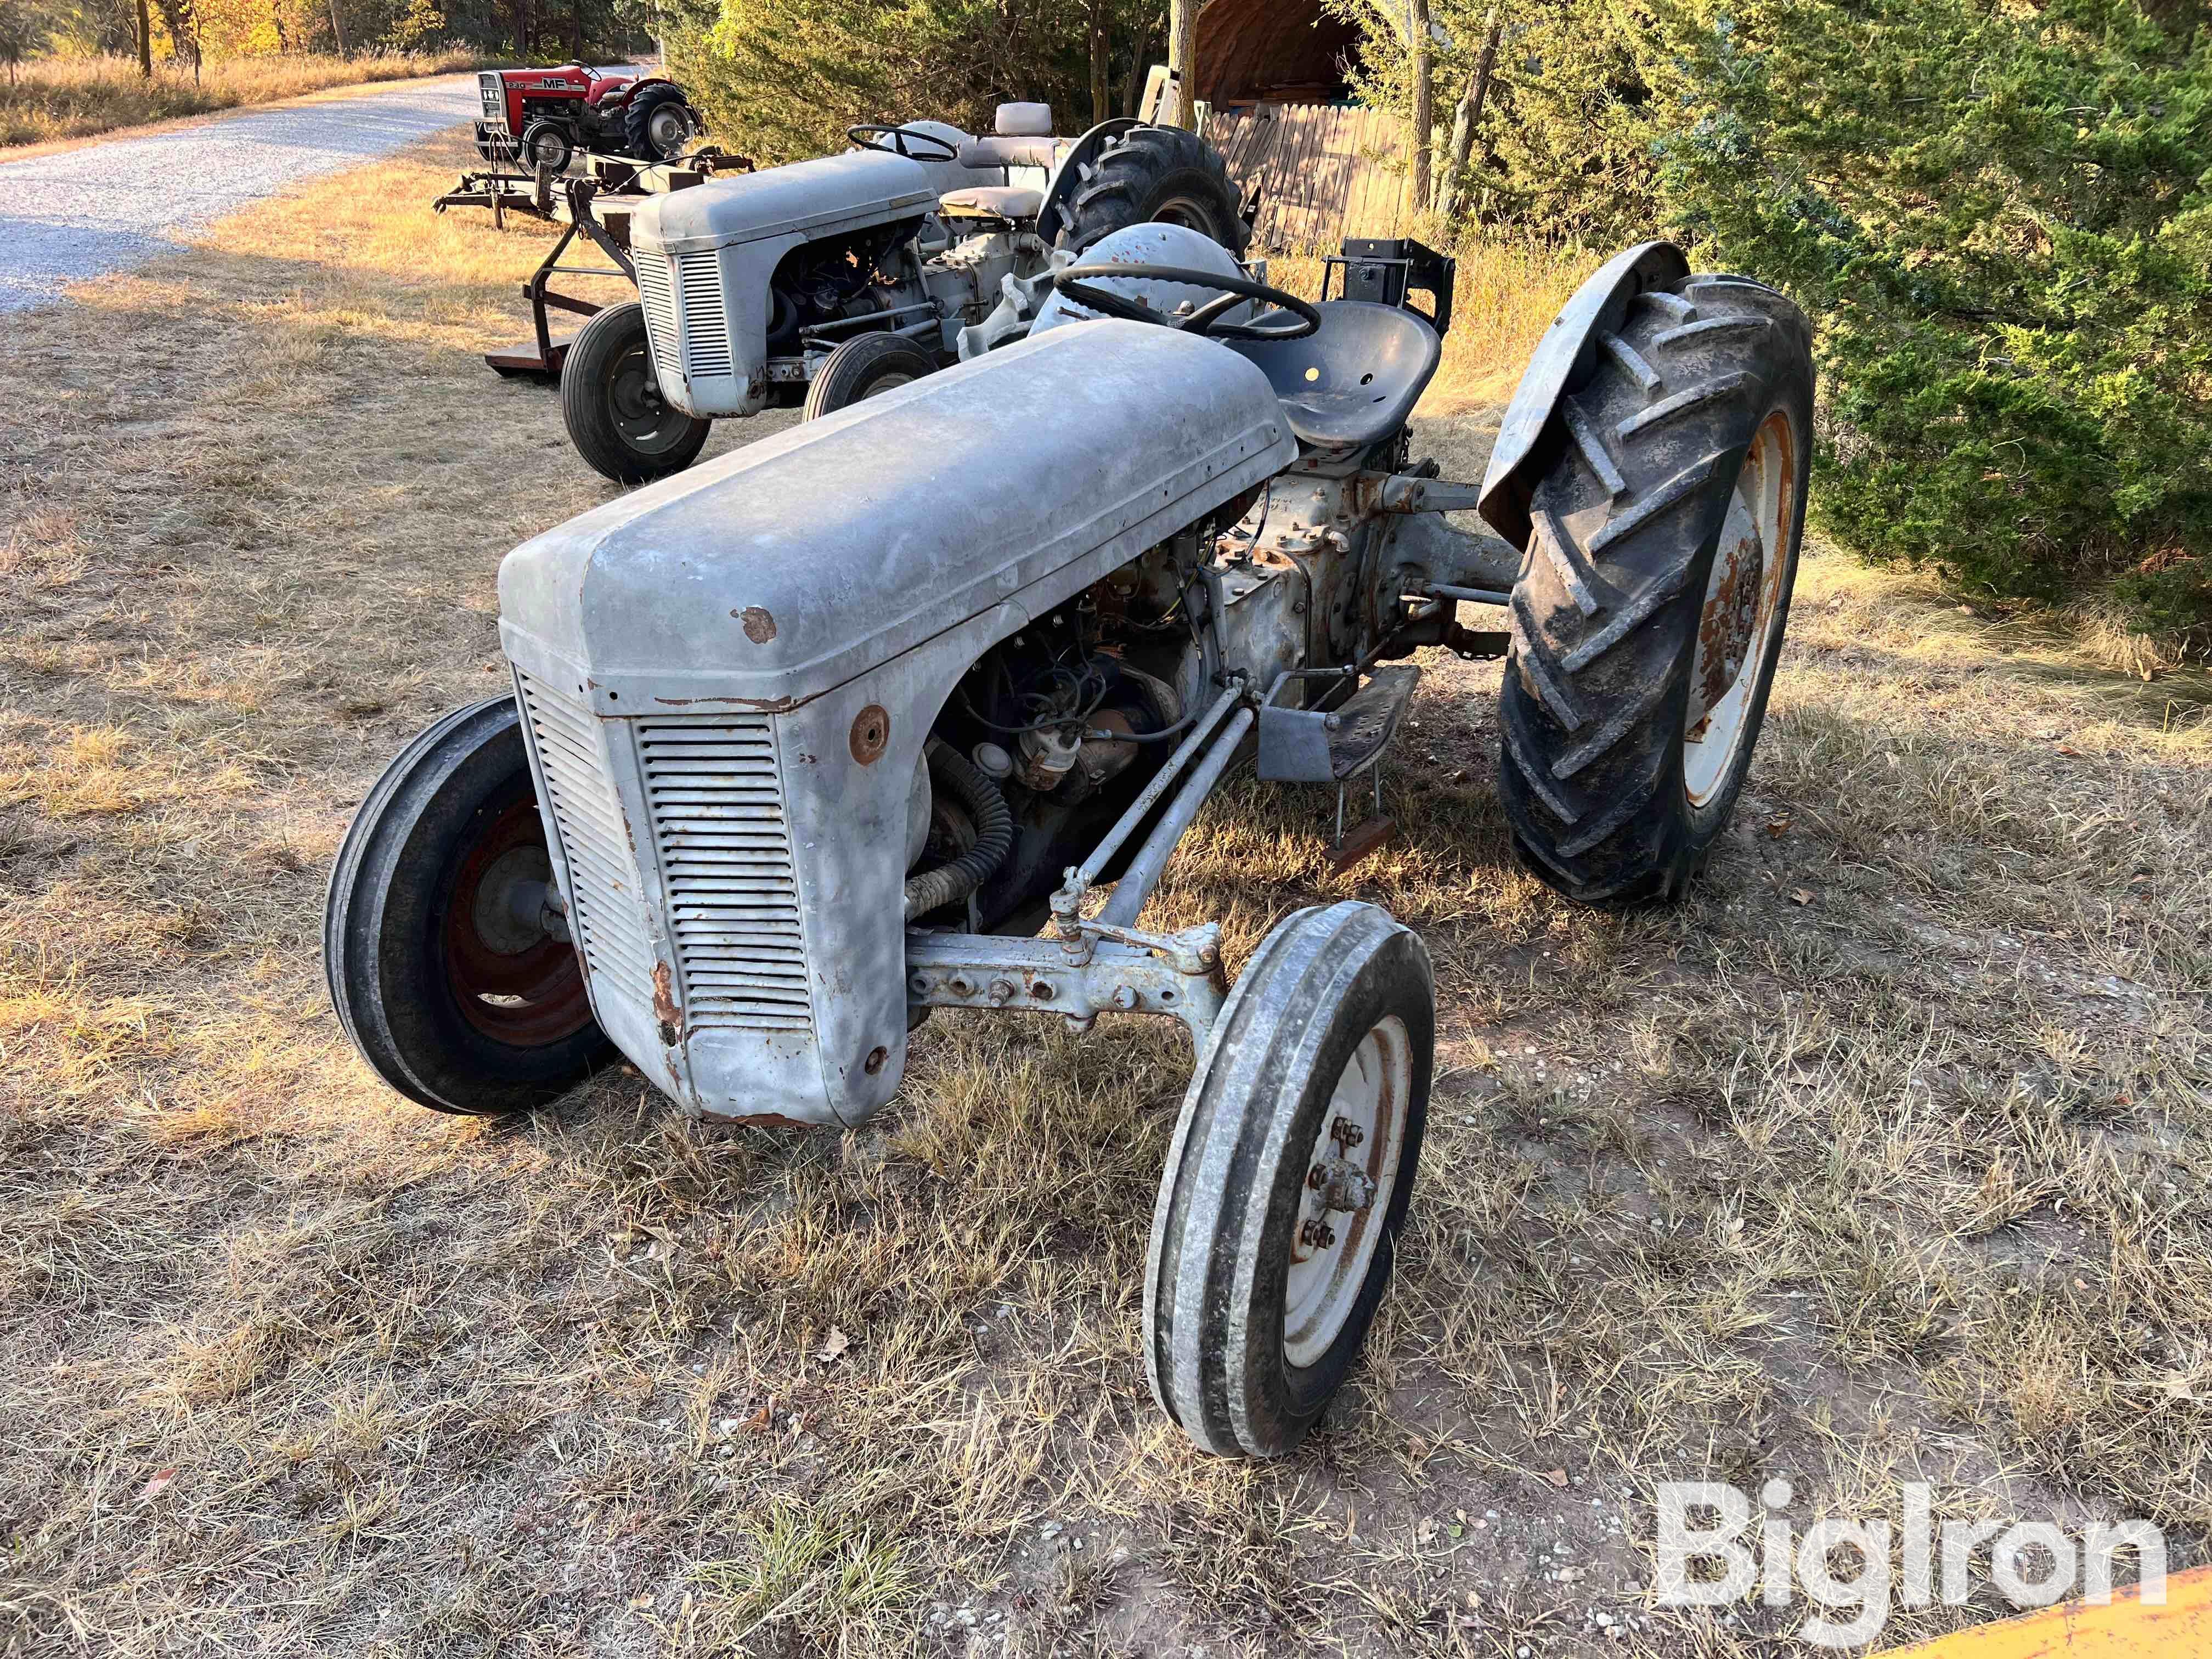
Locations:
{"points": [[1311, 745], [1335, 745]]}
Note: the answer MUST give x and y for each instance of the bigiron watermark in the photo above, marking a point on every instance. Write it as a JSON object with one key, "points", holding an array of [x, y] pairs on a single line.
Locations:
{"points": [[1715, 1548]]}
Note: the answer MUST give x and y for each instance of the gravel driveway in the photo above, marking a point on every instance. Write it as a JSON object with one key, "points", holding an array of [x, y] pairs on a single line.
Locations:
{"points": [[109, 206]]}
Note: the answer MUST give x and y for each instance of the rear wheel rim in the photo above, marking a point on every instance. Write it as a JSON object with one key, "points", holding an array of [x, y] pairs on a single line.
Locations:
{"points": [[647, 422], [667, 129], [512, 980], [1188, 212], [1740, 624], [888, 381], [1333, 1251]]}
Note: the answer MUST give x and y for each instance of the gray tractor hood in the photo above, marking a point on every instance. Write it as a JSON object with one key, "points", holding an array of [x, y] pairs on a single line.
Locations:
{"points": [[835, 192], [787, 567]]}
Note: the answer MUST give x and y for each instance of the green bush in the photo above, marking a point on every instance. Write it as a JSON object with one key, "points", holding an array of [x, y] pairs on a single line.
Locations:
{"points": [[782, 79], [1999, 215]]}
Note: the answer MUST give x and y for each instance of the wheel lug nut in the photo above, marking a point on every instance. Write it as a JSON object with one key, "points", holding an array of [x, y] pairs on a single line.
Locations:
{"points": [[1317, 1234]]}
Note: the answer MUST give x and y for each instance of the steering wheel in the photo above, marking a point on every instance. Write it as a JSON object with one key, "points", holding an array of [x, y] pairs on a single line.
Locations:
{"points": [[867, 139], [1077, 284]]}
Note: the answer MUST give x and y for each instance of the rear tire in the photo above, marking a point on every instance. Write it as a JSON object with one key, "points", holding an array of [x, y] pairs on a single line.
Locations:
{"points": [[1261, 1281], [452, 992], [860, 368], [1153, 173], [611, 403], [649, 126], [1650, 613]]}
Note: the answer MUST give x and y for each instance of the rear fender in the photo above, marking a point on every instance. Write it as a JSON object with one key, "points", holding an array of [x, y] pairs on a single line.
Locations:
{"points": [[1562, 363], [1067, 178]]}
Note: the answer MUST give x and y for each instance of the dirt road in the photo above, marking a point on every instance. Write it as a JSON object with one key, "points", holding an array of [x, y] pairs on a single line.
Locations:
{"points": [[112, 206]]}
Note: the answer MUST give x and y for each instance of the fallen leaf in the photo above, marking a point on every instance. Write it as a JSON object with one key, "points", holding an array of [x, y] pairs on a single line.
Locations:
{"points": [[1556, 1477], [1801, 896], [2070, 752], [156, 1486], [762, 1421], [1778, 825], [836, 1345]]}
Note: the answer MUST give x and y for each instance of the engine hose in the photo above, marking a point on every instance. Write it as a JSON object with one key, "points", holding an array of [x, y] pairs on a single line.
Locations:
{"points": [[994, 833]]}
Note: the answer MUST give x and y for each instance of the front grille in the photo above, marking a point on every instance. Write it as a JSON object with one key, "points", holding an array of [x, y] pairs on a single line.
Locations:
{"points": [[718, 825], [606, 915], [495, 101], [658, 300], [706, 324]]}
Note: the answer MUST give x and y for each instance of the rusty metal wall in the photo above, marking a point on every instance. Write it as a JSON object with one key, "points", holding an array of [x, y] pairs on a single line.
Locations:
{"points": [[1325, 172]]}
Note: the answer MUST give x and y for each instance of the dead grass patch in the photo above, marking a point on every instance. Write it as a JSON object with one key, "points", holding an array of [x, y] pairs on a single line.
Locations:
{"points": [[1881, 1158], [52, 99]]}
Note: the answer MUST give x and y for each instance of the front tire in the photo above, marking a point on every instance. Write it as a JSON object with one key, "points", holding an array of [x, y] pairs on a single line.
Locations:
{"points": [[546, 144], [1650, 613], [1277, 1224], [862, 367], [611, 403], [1154, 174], [439, 961]]}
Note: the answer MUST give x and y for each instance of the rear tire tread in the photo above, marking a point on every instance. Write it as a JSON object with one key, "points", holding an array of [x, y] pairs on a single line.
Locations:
{"points": [[1603, 623]]}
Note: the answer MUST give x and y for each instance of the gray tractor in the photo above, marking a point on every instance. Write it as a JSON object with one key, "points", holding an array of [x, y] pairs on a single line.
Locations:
{"points": [[908, 707], [831, 280]]}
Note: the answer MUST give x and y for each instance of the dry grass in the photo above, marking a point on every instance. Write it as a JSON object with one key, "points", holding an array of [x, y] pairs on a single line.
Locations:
{"points": [[56, 98], [1884, 1157]]}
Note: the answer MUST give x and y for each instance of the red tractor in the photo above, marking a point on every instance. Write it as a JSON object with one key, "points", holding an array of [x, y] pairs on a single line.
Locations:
{"points": [[542, 117]]}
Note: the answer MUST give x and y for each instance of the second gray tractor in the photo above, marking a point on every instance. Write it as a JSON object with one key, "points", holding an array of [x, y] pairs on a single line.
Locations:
{"points": [[831, 280]]}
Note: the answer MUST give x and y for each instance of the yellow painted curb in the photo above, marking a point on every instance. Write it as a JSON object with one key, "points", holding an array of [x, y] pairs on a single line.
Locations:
{"points": [[2125, 1628]]}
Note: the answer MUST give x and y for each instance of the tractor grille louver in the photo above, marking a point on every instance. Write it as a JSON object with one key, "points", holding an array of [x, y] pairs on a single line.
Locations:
{"points": [[657, 299], [718, 824], [705, 323], [606, 912]]}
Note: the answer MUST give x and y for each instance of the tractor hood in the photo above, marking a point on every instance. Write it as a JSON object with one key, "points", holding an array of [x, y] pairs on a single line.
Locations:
{"points": [[830, 194], [786, 568]]}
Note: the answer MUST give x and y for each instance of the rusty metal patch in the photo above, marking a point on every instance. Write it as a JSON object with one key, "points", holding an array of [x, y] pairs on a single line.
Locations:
{"points": [[871, 732], [760, 626], [664, 1005]]}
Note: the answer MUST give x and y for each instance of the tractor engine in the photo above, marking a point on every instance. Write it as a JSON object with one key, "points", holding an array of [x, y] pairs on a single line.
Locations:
{"points": [[836, 280]]}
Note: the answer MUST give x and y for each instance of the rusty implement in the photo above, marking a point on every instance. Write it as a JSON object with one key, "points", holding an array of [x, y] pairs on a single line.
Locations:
{"points": [[506, 186], [604, 225]]}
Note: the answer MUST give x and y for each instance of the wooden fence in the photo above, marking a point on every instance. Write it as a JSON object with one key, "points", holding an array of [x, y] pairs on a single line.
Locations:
{"points": [[1324, 172]]}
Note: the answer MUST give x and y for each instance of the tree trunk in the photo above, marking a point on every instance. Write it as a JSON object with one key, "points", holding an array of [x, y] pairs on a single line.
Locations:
{"points": [[1469, 112], [1183, 64], [145, 42], [575, 31], [1101, 66], [338, 28], [1424, 104], [1140, 52], [522, 32]]}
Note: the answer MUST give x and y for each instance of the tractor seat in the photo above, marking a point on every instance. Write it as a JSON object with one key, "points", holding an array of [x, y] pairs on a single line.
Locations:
{"points": [[1355, 379], [982, 154], [994, 202]]}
